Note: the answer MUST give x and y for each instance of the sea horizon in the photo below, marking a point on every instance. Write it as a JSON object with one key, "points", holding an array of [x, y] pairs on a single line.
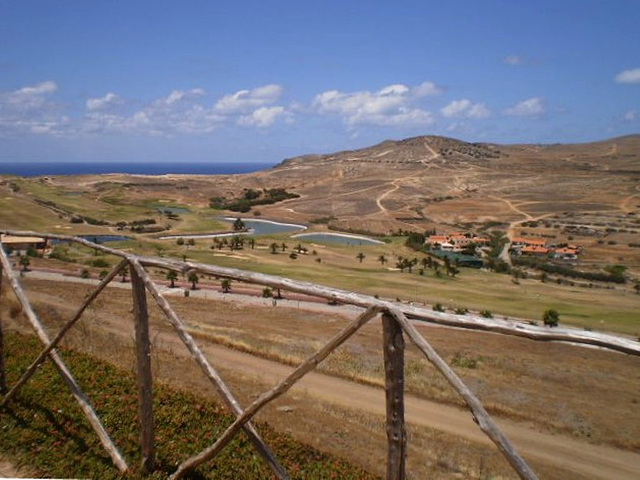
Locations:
{"points": [[34, 169]]}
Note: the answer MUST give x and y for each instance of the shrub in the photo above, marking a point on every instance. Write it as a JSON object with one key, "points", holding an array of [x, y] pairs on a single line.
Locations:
{"points": [[551, 318], [438, 307], [486, 314], [100, 263]]}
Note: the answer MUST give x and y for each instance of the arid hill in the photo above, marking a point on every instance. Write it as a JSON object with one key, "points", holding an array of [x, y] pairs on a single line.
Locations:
{"points": [[422, 183]]}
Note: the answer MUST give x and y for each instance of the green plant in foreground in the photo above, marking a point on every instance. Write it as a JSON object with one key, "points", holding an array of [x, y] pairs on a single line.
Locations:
{"points": [[44, 428]]}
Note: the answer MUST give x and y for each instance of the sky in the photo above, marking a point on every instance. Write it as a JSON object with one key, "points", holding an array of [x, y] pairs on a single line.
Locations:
{"points": [[260, 81]]}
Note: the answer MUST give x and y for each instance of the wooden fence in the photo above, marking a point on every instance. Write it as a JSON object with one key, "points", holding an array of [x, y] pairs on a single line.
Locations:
{"points": [[396, 321]]}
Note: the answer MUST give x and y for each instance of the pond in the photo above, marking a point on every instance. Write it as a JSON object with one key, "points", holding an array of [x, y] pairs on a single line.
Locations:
{"points": [[339, 238], [99, 239], [172, 210], [267, 227]]}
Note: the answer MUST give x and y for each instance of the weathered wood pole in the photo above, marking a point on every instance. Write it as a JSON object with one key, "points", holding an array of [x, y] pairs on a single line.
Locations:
{"points": [[3, 380], [393, 346], [144, 378]]}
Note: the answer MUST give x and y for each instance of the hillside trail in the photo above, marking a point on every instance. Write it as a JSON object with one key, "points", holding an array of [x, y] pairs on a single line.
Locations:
{"points": [[593, 461], [395, 185]]}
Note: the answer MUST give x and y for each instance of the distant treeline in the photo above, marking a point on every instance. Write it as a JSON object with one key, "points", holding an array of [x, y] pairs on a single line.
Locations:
{"points": [[547, 267], [251, 198]]}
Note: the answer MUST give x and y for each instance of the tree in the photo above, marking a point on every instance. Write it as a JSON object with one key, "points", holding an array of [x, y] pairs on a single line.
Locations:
{"points": [[274, 248], [361, 256], [225, 284], [382, 259], [283, 246], [267, 292], [191, 242], [172, 277], [25, 262], [193, 278], [551, 318], [238, 225], [180, 241], [123, 274]]}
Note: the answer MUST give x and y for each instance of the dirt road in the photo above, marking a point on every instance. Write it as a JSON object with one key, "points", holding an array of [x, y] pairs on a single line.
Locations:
{"points": [[592, 461]]}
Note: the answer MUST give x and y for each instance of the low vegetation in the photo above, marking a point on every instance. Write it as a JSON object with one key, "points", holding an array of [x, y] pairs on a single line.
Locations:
{"points": [[45, 430], [251, 198]]}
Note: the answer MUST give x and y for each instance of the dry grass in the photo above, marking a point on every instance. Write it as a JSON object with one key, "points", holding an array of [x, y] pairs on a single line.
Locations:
{"points": [[586, 393]]}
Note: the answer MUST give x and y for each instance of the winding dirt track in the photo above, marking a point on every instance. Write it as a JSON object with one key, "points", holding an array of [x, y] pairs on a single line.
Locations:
{"points": [[592, 461]]}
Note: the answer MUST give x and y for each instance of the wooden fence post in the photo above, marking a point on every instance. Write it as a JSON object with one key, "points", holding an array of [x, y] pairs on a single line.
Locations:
{"points": [[393, 347], [3, 380], [144, 378]]}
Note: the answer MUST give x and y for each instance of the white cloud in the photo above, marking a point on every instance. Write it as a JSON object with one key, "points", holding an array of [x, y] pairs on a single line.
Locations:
{"points": [[513, 60], [108, 101], [465, 109], [262, 117], [628, 76], [630, 116], [244, 101], [426, 89], [30, 110], [531, 107], [177, 113], [391, 105]]}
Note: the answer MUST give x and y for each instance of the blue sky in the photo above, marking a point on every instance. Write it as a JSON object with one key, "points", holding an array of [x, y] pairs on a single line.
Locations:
{"points": [[258, 81]]}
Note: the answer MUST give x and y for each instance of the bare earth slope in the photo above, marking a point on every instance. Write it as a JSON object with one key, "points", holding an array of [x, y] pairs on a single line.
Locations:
{"points": [[419, 181]]}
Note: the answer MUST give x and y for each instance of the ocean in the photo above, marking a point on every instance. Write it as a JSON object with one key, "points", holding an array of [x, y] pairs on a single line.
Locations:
{"points": [[32, 169]]}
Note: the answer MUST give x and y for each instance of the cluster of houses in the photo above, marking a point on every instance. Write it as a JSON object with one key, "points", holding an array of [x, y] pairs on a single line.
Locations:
{"points": [[458, 242], [538, 247], [455, 242]]}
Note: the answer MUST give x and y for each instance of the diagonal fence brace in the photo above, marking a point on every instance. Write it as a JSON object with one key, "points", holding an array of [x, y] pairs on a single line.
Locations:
{"points": [[66, 375], [42, 357], [482, 418], [310, 364], [209, 371]]}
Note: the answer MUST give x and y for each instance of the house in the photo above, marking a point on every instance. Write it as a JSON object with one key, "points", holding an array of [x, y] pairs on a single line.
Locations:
{"points": [[567, 253], [534, 250], [22, 244], [528, 242]]}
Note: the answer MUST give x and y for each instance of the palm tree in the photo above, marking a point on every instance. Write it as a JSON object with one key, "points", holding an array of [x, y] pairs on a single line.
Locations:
{"points": [[172, 277], [361, 256], [25, 262], [425, 262], [238, 225], [382, 259], [123, 274], [226, 285], [411, 263], [402, 264], [193, 278]]}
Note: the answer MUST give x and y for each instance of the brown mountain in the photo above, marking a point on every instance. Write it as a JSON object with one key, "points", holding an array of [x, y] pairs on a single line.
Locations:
{"points": [[439, 181]]}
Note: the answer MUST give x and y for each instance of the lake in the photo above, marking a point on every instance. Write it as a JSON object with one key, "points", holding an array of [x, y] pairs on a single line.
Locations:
{"points": [[267, 227]]}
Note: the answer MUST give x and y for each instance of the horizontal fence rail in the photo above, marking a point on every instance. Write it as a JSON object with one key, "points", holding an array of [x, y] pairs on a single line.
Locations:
{"points": [[396, 318]]}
